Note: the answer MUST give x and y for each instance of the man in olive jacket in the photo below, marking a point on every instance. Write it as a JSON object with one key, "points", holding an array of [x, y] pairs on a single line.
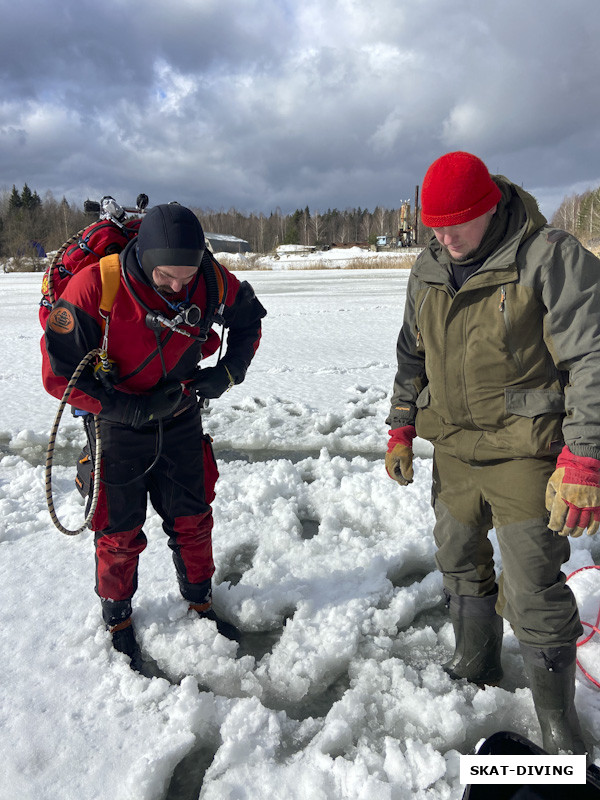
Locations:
{"points": [[499, 367]]}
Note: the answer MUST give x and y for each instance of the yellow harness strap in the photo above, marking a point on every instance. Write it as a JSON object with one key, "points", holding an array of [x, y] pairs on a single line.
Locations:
{"points": [[110, 274]]}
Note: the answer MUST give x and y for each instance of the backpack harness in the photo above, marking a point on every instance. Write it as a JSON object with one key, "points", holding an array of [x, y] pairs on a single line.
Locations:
{"points": [[111, 272]]}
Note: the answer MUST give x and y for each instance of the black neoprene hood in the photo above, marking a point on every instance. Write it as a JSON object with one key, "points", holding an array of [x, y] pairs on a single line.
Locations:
{"points": [[170, 235]]}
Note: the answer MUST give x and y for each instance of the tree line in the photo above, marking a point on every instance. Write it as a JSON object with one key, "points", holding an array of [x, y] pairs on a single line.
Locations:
{"points": [[305, 227], [580, 215], [27, 220]]}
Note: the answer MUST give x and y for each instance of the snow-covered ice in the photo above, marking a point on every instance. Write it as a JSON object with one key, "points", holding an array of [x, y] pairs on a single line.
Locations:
{"points": [[336, 690]]}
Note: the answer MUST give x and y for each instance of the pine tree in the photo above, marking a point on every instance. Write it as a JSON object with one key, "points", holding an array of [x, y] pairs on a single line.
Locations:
{"points": [[292, 234], [14, 201], [26, 197]]}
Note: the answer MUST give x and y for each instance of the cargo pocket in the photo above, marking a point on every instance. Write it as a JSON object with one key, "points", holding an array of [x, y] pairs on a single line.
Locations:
{"points": [[427, 423], [537, 431], [423, 398], [211, 473], [534, 402]]}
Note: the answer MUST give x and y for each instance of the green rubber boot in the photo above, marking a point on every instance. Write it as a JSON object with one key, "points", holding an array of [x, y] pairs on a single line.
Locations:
{"points": [[551, 673], [478, 632]]}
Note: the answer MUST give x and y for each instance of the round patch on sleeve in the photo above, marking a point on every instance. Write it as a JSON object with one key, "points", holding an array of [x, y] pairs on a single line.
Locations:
{"points": [[61, 320]]}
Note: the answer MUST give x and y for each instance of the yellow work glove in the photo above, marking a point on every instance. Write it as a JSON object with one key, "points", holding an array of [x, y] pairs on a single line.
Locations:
{"points": [[573, 495], [399, 456]]}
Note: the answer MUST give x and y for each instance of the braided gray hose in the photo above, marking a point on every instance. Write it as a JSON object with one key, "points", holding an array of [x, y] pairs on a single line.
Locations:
{"points": [[50, 452]]}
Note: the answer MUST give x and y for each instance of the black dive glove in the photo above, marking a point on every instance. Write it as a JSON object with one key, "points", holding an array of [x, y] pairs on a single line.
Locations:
{"points": [[136, 410], [211, 382]]}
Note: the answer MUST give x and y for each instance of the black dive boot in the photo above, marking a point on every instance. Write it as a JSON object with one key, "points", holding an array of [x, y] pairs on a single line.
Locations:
{"points": [[478, 631], [123, 640], [226, 629], [551, 673], [199, 597]]}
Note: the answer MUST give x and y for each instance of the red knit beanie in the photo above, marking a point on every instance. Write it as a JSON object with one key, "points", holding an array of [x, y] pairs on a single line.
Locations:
{"points": [[457, 188]]}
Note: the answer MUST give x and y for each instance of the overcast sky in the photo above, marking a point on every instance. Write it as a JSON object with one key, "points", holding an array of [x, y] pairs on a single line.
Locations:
{"points": [[259, 104]]}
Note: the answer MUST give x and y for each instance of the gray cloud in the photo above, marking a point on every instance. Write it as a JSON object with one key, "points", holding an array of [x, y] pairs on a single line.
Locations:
{"points": [[259, 104]]}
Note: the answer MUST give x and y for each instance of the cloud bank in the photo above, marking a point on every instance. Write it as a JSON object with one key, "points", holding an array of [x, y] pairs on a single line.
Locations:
{"points": [[264, 104]]}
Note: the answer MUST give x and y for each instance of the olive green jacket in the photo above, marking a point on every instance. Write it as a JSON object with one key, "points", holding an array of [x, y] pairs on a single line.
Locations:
{"points": [[507, 366]]}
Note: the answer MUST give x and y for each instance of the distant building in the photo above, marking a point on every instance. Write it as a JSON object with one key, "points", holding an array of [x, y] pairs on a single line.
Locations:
{"points": [[295, 249], [221, 243]]}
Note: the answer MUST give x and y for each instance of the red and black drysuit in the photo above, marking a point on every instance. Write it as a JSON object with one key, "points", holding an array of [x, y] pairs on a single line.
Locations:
{"points": [[181, 482]]}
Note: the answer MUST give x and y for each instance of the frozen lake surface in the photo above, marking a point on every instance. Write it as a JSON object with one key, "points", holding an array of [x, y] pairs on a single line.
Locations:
{"points": [[336, 690]]}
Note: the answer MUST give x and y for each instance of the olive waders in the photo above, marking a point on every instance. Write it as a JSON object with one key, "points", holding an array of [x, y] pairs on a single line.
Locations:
{"points": [[469, 500]]}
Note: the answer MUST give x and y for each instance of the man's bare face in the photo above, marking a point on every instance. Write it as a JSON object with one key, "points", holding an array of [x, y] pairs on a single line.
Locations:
{"points": [[462, 240]]}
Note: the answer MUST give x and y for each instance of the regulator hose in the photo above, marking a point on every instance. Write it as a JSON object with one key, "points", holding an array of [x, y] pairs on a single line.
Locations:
{"points": [[50, 454]]}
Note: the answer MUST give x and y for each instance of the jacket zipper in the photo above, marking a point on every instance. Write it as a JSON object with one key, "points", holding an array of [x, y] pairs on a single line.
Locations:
{"points": [[418, 314], [504, 312]]}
